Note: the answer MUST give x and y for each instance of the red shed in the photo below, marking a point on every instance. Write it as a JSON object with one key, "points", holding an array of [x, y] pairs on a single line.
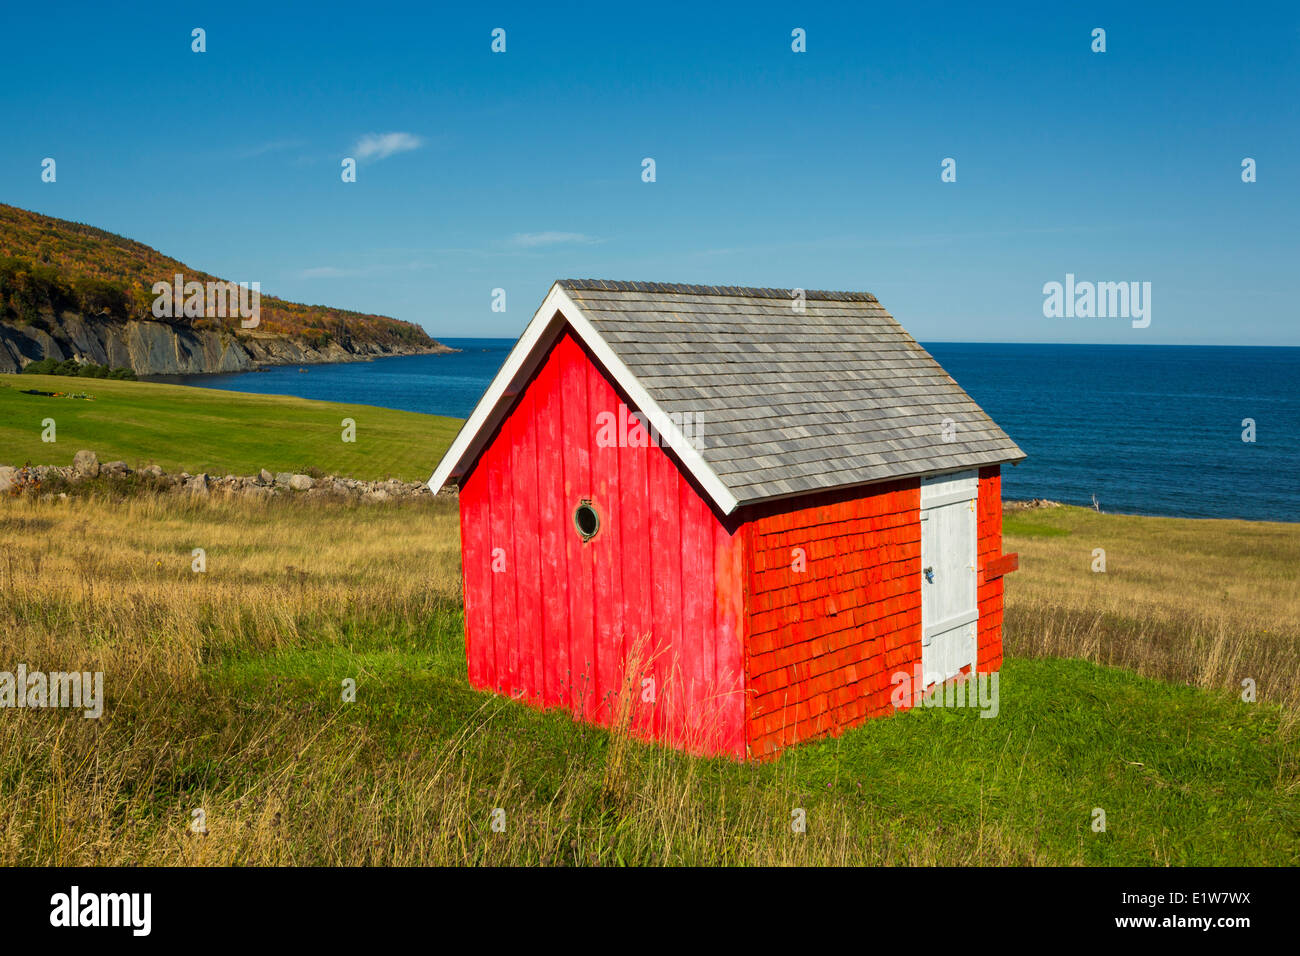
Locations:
{"points": [[725, 518]]}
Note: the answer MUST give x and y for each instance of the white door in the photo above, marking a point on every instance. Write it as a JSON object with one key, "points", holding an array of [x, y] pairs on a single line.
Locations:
{"points": [[949, 602]]}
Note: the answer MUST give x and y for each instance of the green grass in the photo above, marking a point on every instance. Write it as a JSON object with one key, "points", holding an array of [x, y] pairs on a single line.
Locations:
{"points": [[1185, 777], [1021, 526], [196, 429]]}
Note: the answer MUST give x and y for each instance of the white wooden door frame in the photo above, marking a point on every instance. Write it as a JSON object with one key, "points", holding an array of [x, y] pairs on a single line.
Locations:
{"points": [[943, 659]]}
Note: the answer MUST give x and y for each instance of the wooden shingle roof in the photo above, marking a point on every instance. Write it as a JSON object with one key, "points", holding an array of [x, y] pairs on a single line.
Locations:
{"points": [[788, 402]]}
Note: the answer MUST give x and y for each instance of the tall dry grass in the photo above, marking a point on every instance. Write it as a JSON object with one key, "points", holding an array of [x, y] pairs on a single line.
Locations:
{"points": [[223, 692], [93, 586], [284, 773], [1204, 603]]}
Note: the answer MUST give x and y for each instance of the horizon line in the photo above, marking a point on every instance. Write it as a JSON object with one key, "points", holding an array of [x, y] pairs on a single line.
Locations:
{"points": [[1168, 345]]}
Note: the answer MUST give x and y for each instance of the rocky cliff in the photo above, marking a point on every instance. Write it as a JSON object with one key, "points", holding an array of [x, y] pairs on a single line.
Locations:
{"points": [[161, 348], [69, 290]]}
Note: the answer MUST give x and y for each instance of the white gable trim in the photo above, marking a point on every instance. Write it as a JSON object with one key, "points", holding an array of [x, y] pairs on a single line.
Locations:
{"points": [[523, 361]]}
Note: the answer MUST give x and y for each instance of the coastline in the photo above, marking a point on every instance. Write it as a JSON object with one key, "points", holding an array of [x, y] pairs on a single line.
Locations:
{"points": [[150, 348], [267, 365]]}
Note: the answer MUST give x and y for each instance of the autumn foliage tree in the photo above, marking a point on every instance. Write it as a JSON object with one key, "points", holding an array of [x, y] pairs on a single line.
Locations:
{"points": [[50, 266]]}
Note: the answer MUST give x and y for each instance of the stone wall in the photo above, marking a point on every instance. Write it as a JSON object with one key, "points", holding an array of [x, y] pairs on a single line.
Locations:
{"points": [[86, 467]]}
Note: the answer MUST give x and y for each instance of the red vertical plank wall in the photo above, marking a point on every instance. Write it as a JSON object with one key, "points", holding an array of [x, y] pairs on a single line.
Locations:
{"points": [[553, 511], [556, 623], [989, 505], [476, 587], [825, 636]]}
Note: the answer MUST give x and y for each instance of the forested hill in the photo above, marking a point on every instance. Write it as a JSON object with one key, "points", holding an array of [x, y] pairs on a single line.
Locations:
{"points": [[51, 268]]}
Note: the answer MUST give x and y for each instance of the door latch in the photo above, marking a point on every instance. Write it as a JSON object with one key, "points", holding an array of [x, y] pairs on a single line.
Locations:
{"points": [[929, 575]]}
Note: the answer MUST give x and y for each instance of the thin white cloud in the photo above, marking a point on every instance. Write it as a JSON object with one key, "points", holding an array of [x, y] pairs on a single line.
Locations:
{"points": [[261, 149], [532, 240], [324, 272], [396, 260], [377, 146], [375, 269]]}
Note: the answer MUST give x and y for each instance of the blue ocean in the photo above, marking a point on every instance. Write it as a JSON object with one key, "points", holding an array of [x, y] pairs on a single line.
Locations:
{"points": [[1145, 429]]}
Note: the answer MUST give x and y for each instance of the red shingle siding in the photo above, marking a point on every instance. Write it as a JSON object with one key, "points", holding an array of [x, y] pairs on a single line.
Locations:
{"points": [[822, 642], [989, 508]]}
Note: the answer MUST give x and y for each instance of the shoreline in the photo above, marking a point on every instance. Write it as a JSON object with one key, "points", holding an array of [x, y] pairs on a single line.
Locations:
{"points": [[183, 378], [1019, 506]]}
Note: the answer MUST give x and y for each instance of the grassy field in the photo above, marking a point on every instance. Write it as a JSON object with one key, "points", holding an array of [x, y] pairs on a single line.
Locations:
{"points": [[206, 430], [1204, 603], [224, 695]]}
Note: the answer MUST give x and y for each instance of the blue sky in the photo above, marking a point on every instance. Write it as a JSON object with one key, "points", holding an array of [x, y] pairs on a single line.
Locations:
{"points": [[774, 168]]}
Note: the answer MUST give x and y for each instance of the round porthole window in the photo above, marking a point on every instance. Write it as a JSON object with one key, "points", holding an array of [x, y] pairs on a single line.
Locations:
{"points": [[586, 520]]}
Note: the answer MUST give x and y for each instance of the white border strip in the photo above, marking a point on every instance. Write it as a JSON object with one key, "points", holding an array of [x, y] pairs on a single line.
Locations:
{"points": [[523, 359]]}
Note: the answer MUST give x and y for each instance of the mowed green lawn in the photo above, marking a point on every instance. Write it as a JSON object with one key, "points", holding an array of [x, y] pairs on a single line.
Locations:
{"points": [[181, 428]]}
